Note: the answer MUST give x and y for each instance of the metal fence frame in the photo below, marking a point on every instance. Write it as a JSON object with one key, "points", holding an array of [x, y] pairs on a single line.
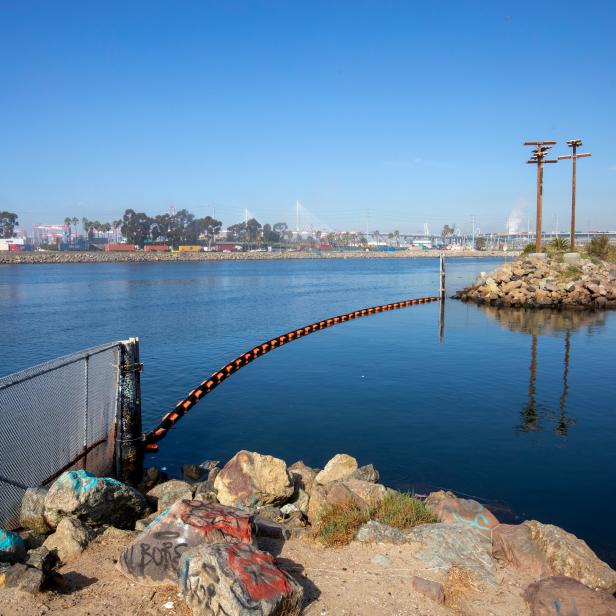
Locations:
{"points": [[80, 411]]}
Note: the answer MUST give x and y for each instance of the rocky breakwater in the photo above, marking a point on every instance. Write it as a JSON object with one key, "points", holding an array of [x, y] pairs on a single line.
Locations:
{"points": [[529, 281], [211, 538]]}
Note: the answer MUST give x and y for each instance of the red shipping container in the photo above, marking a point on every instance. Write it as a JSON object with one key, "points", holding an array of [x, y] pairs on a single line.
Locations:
{"points": [[17, 248], [119, 248], [156, 248]]}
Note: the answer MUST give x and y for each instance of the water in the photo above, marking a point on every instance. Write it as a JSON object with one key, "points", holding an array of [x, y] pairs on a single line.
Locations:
{"points": [[470, 411]]}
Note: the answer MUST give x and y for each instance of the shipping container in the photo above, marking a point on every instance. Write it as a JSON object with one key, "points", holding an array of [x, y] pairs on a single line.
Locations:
{"points": [[17, 248], [190, 248], [119, 248], [156, 248]]}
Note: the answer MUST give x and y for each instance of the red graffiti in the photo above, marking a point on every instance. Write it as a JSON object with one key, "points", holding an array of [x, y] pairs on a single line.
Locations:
{"points": [[210, 517], [260, 576]]}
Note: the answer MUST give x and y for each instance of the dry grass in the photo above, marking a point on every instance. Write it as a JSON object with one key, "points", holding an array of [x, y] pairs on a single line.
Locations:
{"points": [[339, 524], [458, 584], [402, 511]]}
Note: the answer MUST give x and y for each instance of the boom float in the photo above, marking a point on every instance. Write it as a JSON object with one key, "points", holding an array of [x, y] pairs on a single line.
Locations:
{"points": [[204, 388]]}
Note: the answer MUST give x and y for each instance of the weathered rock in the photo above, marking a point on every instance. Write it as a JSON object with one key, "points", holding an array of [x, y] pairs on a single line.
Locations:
{"points": [[569, 556], [300, 500], [12, 547], [193, 471], [317, 504], [303, 476], [376, 532], [141, 525], [341, 466], [512, 544], [28, 579], [269, 512], [31, 539], [152, 476], [152, 558], [370, 493], [366, 473], [236, 579], [564, 596], [250, 479], [428, 588], [165, 494], [278, 530], [447, 507], [43, 558], [443, 545], [70, 539], [32, 513], [94, 500]]}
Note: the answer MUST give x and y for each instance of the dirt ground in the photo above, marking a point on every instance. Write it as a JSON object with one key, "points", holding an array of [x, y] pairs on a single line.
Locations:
{"points": [[357, 580]]}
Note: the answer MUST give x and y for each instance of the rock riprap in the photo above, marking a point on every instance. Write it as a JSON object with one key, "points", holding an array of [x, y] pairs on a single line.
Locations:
{"points": [[70, 539], [546, 283], [152, 558], [236, 579], [93, 500], [251, 479], [32, 513], [340, 466]]}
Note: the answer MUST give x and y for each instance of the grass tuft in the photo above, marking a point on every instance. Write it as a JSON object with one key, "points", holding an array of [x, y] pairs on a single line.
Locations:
{"points": [[339, 523], [402, 511]]}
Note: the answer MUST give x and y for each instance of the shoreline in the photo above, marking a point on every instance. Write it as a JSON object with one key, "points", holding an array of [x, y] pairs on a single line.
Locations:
{"points": [[42, 258]]}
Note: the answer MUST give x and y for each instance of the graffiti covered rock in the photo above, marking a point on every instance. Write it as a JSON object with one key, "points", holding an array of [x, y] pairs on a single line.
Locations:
{"points": [[12, 547], [153, 557], [236, 579], [94, 500], [447, 507]]}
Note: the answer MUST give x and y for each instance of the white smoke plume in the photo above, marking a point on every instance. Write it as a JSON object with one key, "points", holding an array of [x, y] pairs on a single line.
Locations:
{"points": [[516, 217]]}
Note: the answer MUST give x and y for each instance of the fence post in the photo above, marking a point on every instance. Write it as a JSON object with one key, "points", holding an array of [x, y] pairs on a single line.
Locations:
{"points": [[130, 437]]}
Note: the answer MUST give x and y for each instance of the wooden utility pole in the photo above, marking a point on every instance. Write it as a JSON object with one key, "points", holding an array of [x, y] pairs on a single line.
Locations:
{"points": [[537, 157], [574, 144]]}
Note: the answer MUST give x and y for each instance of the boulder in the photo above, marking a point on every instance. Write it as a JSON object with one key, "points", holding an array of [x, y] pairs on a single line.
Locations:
{"points": [[152, 476], [366, 473], [447, 507], [569, 556], [428, 588], [165, 494], [303, 476], [236, 579], [193, 471], [340, 466], [28, 579], [12, 547], [377, 532], [70, 539], [94, 500], [300, 500], [443, 545], [250, 479], [32, 513], [512, 544], [43, 558], [152, 558], [141, 525], [363, 493], [564, 596]]}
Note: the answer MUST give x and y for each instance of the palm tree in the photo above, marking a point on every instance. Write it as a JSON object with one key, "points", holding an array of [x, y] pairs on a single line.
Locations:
{"points": [[116, 226], [75, 222], [559, 243]]}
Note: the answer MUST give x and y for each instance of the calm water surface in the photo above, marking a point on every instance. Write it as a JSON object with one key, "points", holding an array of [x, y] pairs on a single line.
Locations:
{"points": [[516, 408]]}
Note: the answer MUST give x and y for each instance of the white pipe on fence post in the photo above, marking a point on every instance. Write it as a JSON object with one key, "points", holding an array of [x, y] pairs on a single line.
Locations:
{"points": [[442, 275]]}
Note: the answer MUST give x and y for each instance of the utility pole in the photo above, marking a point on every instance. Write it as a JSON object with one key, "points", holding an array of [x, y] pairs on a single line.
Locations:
{"points": [[537, 157], [574, 144]]}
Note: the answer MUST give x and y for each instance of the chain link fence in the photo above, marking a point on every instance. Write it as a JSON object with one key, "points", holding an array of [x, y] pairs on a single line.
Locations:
{"points": [[57, 416]]}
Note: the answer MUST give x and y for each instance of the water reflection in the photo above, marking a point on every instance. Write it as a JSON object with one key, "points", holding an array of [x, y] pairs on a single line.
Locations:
{"points": [[541, 323]]}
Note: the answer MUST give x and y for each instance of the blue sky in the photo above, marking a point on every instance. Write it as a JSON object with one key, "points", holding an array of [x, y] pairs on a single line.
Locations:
{"points": [[372, 114]]}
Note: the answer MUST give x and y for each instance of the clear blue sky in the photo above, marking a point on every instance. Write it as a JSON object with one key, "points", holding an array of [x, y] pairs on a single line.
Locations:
{"points": [[405, 112]]}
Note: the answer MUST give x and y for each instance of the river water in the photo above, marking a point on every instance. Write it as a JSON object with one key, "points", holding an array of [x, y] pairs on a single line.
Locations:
{"points": [[516, 408]]}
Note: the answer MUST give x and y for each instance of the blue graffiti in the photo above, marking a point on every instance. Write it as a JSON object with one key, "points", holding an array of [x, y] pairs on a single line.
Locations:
{"points": [[9, 541], [80, 481], [479, 521]]}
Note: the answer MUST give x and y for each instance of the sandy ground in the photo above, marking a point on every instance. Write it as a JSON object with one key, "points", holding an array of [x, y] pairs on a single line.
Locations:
{"points": [[348, 581], [11, 258]]}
